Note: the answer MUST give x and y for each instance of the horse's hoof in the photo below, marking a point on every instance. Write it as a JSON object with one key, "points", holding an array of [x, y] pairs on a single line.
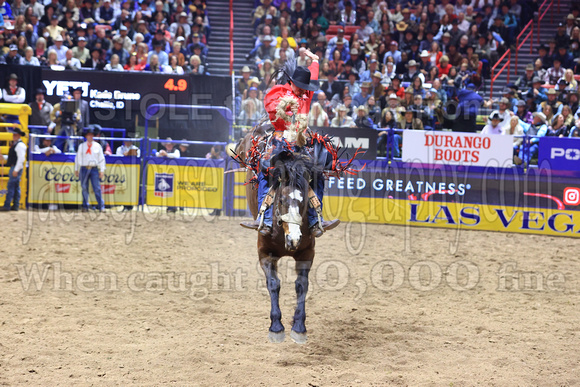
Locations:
{"points": [[298, 338], [276, 337]]}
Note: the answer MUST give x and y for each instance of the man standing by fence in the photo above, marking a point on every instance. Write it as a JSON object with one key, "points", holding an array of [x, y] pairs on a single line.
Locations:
{"points": [[90, 165], [15, 160]]}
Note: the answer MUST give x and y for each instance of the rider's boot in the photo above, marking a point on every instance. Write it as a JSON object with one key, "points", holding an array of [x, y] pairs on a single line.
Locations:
{"points": [[317, 231], [265, 230]]}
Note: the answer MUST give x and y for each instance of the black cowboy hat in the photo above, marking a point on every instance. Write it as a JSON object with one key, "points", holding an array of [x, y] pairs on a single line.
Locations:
{"points": [[301, 78], [19, 132]]}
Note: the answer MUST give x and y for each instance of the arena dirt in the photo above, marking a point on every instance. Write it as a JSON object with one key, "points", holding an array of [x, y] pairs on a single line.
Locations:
{"points": [[179, 300]]}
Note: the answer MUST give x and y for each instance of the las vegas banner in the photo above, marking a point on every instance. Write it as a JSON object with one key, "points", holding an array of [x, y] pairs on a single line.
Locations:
{"points": [[476, 198]]}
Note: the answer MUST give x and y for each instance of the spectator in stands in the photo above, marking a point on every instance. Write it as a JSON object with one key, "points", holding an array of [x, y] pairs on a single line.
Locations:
{"points": [[80, 51], [168, 150], [128, 149], [537, 129], [195, 66], [566, 60], [114, 64], [524, 82], [561, 38], [523, 113], [558, 128], [162, 57], [13, 93], [494, 124], [117, 49], [362, 97], [331, 87], [318, 116], [249, 116], [408, 119], [555, 72], [70, 62], [342, 119], [95, 62], [46, 147], [12, 58], [394, 52], [41, 110], [552, 101], [59, 48]]}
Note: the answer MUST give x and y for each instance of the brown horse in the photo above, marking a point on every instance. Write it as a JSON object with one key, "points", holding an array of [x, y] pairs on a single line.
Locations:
{"points": [[290, 236]]}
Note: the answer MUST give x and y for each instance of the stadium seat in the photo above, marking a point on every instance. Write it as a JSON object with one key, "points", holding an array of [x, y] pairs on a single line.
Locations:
{"points": [[332, 29], [349, 30], [105, 27]]}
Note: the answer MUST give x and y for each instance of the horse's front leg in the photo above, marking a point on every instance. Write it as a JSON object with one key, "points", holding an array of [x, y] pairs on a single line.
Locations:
{"points": [[270, 266], [298, 333]]}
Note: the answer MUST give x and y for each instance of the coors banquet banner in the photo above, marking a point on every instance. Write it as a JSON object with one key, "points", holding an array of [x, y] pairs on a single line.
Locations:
{"points": [[52, 181], [434, 147]]}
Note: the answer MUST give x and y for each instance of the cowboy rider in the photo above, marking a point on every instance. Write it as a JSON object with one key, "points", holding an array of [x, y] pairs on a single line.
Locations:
{"points": [[298, 91]]}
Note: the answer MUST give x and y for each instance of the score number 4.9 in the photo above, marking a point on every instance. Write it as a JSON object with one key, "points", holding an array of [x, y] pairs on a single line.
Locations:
{"points": [[181, 85]]}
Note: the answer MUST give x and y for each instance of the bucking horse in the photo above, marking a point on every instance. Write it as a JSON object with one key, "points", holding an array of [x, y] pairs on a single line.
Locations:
{"points": [[291, 173]]}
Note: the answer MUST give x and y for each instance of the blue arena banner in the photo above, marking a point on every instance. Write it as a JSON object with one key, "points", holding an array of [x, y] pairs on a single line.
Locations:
{"points": [[559, 153]]}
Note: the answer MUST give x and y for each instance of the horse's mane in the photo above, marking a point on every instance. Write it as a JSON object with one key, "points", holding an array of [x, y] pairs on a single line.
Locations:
{"points": [[295, 169]]}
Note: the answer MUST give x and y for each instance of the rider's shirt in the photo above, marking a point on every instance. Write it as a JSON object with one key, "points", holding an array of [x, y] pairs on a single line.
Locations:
{"points": [[280, 91]]}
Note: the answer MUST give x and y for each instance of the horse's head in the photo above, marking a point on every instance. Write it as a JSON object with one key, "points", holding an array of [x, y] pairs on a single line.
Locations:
{"points": [[291, 198]]}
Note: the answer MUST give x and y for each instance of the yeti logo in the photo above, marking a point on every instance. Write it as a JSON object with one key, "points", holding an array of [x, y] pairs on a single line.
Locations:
{"points": [[164, 185]]}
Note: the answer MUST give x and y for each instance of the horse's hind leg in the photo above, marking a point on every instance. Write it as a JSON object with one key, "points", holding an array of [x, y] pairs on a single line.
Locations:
{"points": [[270, 267], [298, 333]]}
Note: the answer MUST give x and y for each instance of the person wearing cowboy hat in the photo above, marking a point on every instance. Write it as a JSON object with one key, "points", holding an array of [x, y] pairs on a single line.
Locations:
{"points": [[342, 119], [362, 119], [409, 119], [46, 147], [503, 112], [536, 129], [90, 166], [552, 101], [524, 82], [362, 97], [13, 93], [128, 148], [288, 105], [494, 127], [15, 161], [41, 110]]}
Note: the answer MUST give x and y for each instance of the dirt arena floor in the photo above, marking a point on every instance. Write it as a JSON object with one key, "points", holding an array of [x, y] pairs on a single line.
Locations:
{"points": [[156, 300]]}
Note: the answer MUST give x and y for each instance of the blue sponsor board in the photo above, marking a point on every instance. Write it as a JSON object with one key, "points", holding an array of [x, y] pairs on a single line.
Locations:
{"points": [[559, 153]]}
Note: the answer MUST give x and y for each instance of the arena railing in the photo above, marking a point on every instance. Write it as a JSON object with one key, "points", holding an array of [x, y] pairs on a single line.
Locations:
{"points": [[116, 141], [507, 65], [153, 109]]}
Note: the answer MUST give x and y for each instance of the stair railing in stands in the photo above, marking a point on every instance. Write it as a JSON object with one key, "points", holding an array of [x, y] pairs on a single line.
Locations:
{"points": [[519, 45], [507, 65], [542, 14], [231, 36]]}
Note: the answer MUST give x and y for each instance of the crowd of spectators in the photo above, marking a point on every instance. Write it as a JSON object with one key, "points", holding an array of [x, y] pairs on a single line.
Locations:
{"points": [[112, 35], [413, 65]]}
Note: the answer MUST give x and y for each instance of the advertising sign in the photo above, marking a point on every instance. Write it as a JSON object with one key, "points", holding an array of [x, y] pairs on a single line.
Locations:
{"points": [[434, 147], [53, 181], [185, 183], [500, 199], [350, 139], [559, 153]]}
